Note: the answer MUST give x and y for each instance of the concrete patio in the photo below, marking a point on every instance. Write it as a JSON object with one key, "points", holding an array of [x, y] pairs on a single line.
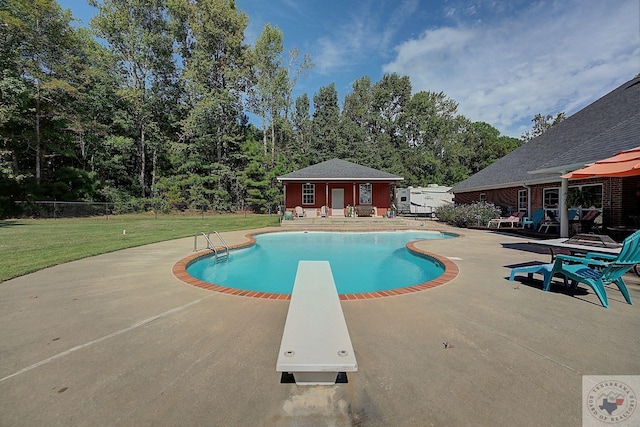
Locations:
{"points": [[117, 340]]}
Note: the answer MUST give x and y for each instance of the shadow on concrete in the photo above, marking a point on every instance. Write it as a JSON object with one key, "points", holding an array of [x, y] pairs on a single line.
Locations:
{"points": [[527, 247]]}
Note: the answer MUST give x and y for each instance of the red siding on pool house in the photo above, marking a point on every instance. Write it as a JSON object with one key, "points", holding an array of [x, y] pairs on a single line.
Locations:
{"points": [[381, 195]]}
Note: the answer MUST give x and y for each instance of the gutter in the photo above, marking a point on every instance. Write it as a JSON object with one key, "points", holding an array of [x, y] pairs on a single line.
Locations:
{"points": [[559, 169]]}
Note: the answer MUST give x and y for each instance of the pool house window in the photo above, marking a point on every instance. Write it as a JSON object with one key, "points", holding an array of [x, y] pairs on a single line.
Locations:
{"points": [[308, 194], [365, 194]]}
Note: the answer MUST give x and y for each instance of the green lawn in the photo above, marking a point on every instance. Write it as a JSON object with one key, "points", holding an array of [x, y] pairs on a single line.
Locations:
{"points": [[28, 245]]}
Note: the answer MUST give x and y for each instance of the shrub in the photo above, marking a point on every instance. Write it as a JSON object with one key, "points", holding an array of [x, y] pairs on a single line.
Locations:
{"points": [[475, 214]]}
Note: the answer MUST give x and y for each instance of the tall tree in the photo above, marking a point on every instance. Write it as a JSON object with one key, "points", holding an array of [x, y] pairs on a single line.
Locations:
{"points": [[215, 61], [268, 98], [215, 76], [388, 104], [96, 105], [39, 44], [430, 129], [356, 122], [541, 124], [325, 126], [137, 32], [301, 120]]}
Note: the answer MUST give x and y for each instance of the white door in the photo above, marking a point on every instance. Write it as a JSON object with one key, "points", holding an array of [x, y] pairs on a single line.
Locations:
{"points": [[337, 198]]}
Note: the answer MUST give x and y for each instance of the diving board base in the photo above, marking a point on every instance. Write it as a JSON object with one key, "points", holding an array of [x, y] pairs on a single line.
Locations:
{"points": [[310, 378]]}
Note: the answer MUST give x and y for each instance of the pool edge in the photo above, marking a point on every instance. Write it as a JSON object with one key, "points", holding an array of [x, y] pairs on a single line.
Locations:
{"points": [[179, 271]]}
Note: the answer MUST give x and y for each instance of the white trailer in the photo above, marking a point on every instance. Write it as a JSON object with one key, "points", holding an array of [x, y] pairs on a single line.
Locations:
{"points": [[422, 200]]}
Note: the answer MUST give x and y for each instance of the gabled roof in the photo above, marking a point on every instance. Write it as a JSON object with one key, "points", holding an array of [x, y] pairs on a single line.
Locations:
{"points": [[339, 170], [605, 127]]}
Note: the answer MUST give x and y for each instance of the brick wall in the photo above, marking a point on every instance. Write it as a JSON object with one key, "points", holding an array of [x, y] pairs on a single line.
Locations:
{"points": [[505, 198], [620, 198]]}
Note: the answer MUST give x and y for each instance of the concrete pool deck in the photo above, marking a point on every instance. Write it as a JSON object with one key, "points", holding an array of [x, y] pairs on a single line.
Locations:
{"points": [[118, 340]]}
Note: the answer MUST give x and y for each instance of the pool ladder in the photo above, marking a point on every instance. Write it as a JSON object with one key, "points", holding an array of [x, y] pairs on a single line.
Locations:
{"points": [[219, 254]]}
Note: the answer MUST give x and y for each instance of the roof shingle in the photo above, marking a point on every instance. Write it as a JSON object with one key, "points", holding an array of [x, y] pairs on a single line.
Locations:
{"points": [[337, 169], [605, 127]]}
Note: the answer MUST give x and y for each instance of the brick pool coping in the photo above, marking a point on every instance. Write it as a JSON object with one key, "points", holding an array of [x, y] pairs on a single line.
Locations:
{"points": [[180, 272]]}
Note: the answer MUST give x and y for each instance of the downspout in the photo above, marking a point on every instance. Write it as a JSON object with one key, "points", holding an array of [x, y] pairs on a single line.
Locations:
{"points": [[528, 188]]}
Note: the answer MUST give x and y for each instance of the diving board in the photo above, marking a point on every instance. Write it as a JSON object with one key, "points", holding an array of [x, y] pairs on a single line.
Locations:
{"points": [[315, 345]]}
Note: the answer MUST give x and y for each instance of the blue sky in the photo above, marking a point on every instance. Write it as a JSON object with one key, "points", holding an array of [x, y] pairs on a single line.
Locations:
{"points": [[503, 61]]}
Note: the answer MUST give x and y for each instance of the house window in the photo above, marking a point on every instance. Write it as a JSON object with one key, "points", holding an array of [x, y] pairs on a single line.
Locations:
{"points": [[522, 200], [585, 196], [365, 194], [551, 198], [308, 194], [483, 197]]}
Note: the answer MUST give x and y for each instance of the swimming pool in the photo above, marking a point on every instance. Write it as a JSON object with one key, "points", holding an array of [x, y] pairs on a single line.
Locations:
{"points": [[360, 261]]}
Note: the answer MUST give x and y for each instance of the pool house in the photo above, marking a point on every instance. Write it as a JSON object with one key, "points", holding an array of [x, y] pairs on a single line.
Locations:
{"points": [[338, 188]]}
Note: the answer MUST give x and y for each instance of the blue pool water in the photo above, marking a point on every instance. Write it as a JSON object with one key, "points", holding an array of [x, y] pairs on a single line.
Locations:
{"points": [[360, 262]]}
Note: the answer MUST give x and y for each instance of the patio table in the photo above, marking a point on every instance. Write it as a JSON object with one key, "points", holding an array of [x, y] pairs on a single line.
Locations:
{"points": [[581, 244]]}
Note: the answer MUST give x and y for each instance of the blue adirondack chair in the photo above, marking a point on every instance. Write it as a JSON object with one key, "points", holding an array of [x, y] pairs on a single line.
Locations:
{"points": [[597, 270], [535, 220]]}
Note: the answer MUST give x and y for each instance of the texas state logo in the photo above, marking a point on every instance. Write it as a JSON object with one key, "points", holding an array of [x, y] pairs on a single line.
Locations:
{"points": [[610, 400]]}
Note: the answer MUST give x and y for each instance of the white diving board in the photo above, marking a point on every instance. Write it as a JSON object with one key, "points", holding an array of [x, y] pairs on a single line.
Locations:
{"points": [[315, 345]]}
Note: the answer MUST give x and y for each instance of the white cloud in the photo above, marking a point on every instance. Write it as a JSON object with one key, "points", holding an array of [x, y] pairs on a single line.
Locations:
{"points": [[368, 31], [549, 58]]}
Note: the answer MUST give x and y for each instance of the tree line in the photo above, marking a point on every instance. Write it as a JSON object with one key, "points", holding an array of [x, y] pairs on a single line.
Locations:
{"points": [[164, 101]]}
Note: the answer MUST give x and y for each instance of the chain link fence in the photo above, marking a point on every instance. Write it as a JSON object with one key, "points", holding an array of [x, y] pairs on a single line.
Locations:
{"points": [[56, 209]]}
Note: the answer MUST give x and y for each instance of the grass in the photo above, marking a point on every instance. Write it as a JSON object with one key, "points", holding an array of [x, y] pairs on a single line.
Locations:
{"points": [[28, 245]]}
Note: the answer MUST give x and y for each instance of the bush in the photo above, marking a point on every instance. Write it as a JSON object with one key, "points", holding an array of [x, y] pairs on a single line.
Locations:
{"points": [[468, 215]]}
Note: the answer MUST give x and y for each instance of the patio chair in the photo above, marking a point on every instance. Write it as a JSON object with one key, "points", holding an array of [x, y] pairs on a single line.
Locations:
{"points": [[535, 219], [587, 221], [299, 211], [596, 270], [512, 220], [324, 211], [535, 268], [550, 221]]}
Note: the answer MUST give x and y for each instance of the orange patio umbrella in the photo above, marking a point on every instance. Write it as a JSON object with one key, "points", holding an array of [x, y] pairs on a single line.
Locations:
{"points": [[625, 163]]}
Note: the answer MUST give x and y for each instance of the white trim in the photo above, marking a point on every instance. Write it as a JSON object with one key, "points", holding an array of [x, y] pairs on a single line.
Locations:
{"points": [[559, 169]]}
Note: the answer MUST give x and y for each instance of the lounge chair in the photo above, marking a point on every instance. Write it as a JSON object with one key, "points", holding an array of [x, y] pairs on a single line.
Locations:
{"points": [[512, 220], [550, 221], [553, 222], [597, 270], [299, 212]]}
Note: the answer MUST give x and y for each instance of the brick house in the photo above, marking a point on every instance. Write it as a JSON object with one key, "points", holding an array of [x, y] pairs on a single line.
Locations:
{"points": [[529, 178], [341, 186]]}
